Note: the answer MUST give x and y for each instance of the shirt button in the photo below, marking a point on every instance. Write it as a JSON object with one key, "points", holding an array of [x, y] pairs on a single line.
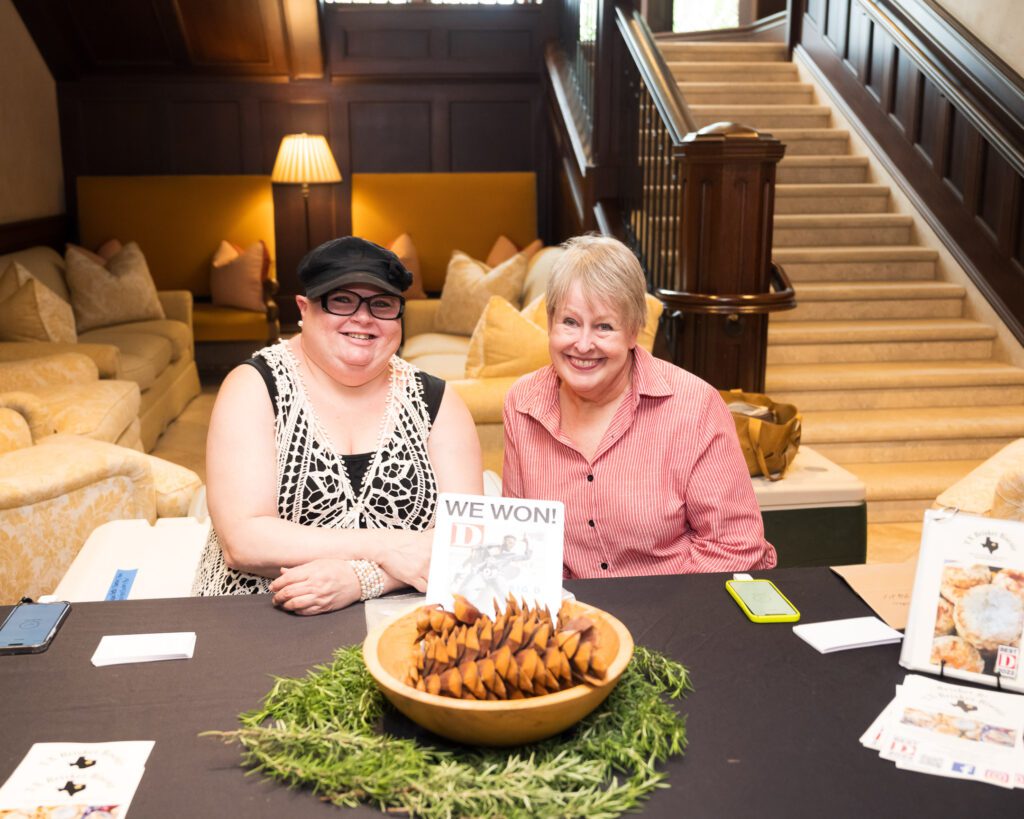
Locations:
{"points": [[604, 565], [590, 477], [590, 523]]}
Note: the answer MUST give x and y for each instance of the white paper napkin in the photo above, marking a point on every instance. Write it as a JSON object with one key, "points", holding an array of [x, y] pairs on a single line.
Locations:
{"points": [[115, 649], [839, 635]]}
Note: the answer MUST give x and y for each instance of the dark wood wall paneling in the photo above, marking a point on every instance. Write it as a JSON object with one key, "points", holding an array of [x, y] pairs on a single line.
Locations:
{"points": [[949, 114], [47, 230], [210, 87]]}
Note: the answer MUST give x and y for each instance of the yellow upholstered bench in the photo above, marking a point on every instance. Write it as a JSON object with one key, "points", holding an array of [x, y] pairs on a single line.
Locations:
{"points": [[443, 212], [179, 222]]}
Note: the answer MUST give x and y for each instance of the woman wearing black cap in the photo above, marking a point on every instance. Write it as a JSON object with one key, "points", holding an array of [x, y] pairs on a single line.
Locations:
{"points": [[326, 452]]}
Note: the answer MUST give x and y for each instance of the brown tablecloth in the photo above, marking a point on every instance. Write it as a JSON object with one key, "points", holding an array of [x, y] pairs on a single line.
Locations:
{"points": [[773, 726]]}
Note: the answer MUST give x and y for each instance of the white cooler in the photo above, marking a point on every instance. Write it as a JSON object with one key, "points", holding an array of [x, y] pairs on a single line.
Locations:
{"points": [[131, 560], [816, 515]]}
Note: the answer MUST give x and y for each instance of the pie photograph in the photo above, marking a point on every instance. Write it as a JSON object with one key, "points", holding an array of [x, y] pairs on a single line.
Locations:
{"points": [[980, 608]]}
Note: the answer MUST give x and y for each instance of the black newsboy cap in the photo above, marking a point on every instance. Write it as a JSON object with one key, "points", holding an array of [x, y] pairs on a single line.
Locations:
{"points": [[351, 260]]}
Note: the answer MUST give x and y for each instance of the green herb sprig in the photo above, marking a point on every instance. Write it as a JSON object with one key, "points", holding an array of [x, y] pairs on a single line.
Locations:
{"points": [[322, 732]]}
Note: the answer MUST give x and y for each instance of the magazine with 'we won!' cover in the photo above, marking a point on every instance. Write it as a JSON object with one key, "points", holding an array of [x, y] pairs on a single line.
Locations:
{"points": [[486, 548]]}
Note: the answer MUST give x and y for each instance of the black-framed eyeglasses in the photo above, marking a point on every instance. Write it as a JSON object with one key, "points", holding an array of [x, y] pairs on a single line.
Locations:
{"points": [[384, 306]]}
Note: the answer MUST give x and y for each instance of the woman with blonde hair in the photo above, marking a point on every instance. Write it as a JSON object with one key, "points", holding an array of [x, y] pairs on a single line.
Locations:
{"points": [[643, 454], [327, 451]]}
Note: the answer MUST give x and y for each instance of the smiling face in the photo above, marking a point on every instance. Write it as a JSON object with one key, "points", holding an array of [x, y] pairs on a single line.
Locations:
{"points": [[590, 347], [354, 349]]}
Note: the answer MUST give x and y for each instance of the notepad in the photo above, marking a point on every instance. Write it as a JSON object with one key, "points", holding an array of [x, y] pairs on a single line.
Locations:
{"points": [[854, 632], [115, 649]]}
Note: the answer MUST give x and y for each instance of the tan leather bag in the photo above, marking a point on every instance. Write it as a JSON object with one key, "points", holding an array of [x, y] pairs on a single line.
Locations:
{"points": [[768, 447]]}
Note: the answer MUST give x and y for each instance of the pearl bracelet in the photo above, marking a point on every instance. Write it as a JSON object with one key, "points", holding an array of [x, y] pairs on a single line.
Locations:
{"points": [[370, 577]]}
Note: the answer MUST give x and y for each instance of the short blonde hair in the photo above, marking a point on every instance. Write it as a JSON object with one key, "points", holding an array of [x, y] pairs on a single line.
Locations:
{"points": [[607, 272]]}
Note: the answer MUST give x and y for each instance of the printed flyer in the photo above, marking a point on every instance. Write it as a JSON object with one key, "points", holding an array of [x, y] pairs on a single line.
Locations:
{"points": [[68, 780], [951, 730]]}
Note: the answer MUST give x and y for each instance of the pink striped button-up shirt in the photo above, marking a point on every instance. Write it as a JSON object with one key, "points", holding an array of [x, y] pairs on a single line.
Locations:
{"points": [[667, 491]]}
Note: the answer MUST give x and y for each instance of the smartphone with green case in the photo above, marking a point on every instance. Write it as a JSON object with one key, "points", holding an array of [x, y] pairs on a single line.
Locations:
{"points": [[761, 601]]}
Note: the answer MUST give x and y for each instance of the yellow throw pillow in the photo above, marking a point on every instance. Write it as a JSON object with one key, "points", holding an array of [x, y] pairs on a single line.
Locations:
{"points": [[237, 275], [468, 285], [405, 250], [31, 311], [109, 249], [505, 343], [504, 249], [650, 329], [537, 312], [117, 293], [532, 249]]}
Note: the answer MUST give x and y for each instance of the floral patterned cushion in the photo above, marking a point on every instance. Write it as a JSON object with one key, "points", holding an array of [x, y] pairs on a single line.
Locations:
{"points": [[121, 291], [31, 311]]}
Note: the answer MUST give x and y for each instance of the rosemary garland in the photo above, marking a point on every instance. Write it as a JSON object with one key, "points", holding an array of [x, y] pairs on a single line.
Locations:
{"points": [[322, 732]]}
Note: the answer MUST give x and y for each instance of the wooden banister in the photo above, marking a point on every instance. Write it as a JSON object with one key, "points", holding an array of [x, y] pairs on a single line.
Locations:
{"points": [[782, 297], [696, 205], [642, 47]]}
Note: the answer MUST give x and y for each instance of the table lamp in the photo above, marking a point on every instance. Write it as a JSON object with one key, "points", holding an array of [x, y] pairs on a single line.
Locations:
{"points": [[305, 159]]}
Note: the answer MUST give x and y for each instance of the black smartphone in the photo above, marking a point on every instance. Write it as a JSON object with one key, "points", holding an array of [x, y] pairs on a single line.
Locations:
{"points": [[30, 627]]}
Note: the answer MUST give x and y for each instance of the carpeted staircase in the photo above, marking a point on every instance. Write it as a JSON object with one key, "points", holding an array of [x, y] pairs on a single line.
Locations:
{"points": [[894, 383]]}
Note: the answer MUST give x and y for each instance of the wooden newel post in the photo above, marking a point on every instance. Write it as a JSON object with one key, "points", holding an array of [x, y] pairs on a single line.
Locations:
{"points": [[717, 313]]}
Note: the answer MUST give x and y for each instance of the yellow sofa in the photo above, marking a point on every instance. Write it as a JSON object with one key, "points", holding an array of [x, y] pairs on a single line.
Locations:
{"points": [[443, 212], [156, 355], [445, 354], [178, 222]]}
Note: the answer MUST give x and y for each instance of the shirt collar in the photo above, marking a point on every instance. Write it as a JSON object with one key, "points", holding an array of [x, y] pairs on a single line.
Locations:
{"points": [[648, 378], [540, 401]]}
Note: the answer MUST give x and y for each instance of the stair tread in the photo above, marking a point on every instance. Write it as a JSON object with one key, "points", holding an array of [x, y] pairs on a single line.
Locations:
{"points": [[818, 160], [732, 87], [761, 108], [739, 66], [794, 220], [912, 424], [877, 291], [777, 51], [733, 72], [891, 330], [855, 253], [890, 374], [909, 480], [836, 189], [838, 134]]}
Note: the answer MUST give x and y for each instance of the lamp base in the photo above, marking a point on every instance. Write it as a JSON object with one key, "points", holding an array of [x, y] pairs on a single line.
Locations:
{"points": [[305, 205]]}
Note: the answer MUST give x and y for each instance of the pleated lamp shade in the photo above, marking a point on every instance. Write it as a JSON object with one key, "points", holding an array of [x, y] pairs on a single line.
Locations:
{"points": [[305, 159]]}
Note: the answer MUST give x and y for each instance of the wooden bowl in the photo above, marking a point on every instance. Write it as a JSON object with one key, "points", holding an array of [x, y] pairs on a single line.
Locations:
{"points": [[388, 651]]}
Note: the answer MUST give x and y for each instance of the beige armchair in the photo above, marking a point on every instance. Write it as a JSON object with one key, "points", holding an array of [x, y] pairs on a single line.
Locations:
{"points": [[64, 393], [56, 488], [53, 496], [993, 489]]}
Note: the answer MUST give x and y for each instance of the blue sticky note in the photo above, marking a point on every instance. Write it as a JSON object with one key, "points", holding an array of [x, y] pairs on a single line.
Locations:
{"points": [[121, 585]]}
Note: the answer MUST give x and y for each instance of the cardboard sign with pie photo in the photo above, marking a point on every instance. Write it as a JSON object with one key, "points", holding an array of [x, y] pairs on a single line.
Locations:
{"points": [[980, 617]]}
